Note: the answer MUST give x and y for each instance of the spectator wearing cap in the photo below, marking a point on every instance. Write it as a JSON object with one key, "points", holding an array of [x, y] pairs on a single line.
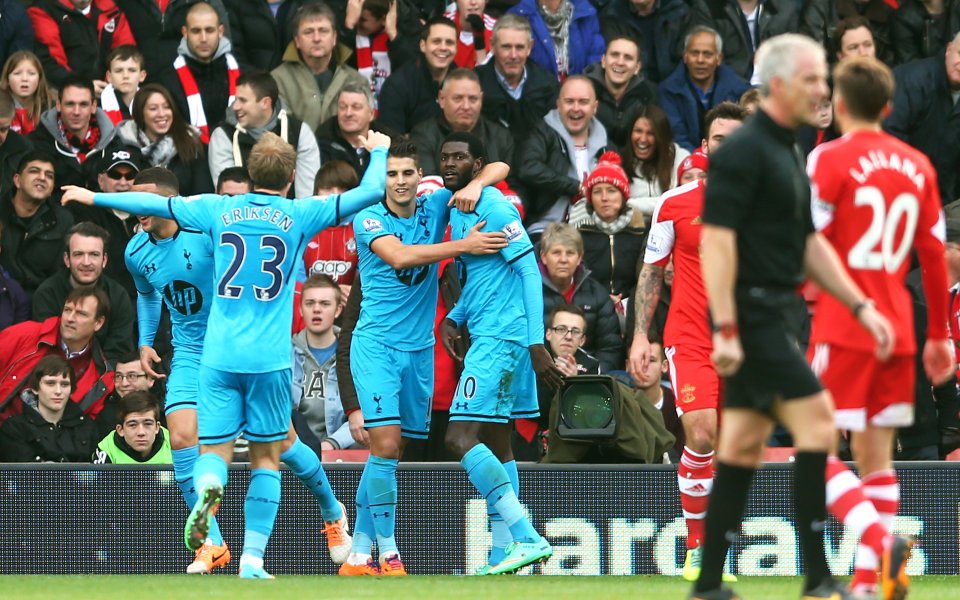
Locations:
{"points": [[701, 82], [84, 260], [614, 235], [693, 167], [116, 170]]}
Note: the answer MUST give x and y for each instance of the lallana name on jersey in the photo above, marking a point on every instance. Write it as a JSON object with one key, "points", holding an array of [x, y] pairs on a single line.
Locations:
{"points": [[877, 160]]}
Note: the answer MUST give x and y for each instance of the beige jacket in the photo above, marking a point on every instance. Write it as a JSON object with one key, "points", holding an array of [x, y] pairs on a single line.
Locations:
{"points": [[299, 91]]}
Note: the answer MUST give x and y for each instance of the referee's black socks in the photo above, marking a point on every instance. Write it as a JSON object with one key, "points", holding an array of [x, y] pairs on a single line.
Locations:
{"points": [[810, 504], [728, 500]]}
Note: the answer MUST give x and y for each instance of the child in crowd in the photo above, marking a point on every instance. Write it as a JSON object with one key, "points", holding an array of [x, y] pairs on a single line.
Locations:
{"points": [[125, 73], [24, 78]]}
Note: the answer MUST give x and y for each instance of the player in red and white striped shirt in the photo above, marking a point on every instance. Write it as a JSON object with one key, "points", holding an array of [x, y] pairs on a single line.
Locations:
{"points": [[687, 338], [876, 200]]}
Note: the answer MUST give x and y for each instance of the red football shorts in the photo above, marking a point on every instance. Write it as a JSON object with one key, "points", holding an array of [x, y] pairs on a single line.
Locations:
{"points": [[695, 381], [864, 389]]}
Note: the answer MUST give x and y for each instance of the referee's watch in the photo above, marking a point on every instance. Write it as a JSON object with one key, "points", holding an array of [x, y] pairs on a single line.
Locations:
{"points": [[859, 306], [727, 330]]}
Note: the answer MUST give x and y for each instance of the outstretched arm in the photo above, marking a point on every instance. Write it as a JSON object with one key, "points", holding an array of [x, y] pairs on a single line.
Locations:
{"points": [[137, 203], [374, 181], [404, 256]]}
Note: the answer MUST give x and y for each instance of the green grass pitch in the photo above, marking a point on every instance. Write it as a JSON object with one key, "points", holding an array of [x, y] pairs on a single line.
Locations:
{"points": [[146, 587]]}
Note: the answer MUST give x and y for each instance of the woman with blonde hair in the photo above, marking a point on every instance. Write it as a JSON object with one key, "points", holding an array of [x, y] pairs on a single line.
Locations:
{"points": [[166, 139], [24, 78]]}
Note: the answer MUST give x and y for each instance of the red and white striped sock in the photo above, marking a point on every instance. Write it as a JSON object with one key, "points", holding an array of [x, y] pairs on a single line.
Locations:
{"points": [[695, 480], [883, 489], [848, 503]]}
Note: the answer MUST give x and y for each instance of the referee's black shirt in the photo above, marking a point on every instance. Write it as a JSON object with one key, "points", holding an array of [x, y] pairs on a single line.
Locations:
{"points": [[758, 187]]}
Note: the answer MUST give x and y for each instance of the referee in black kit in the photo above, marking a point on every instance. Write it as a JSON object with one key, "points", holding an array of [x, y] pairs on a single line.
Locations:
{"points": [[758, 243]]}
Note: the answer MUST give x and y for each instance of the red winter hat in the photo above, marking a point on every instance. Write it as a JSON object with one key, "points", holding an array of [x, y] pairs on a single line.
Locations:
{"points": [[608, 170], [697, 160]]}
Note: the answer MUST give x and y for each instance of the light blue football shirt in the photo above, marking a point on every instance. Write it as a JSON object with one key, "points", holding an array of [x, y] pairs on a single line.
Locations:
{"points": [[492, 297], [180, 268], [399, 305]]}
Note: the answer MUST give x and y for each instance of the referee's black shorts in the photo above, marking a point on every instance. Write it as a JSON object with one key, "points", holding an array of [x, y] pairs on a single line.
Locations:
{"points": [[773, 366]]}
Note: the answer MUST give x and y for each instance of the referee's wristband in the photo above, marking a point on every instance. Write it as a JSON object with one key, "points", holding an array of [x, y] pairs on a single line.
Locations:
{"points": [[859, 306], [727, 330]]}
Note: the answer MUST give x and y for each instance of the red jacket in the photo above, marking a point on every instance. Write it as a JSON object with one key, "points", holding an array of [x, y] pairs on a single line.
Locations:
{"points": [[21, 348], [70, 42]]}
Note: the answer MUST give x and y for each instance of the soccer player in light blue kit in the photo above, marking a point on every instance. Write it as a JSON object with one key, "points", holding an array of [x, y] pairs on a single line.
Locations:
{"points": [[175, 266], [391, 354], [245, 374], [502, 305]]}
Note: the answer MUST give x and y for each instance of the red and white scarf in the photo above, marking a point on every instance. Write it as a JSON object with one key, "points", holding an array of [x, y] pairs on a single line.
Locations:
{"points": [[373, 60], [110, 104], [197, 117], [81, 147]]}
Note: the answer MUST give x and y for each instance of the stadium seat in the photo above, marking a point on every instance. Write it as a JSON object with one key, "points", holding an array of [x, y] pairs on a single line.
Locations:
{"points": [[359, 456], [778, 454]]}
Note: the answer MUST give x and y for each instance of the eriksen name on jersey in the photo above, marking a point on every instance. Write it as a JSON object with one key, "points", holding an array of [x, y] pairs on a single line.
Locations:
{"points": [[258, 213]]}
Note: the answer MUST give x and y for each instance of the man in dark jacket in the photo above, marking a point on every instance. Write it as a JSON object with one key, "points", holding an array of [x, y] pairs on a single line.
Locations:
{"points": [[558, 154], [517, 93], [203, 77], [85, 258], [74, 131], [697, 85], [51, 427], [75, 36], [259, 35], [927, 116], [460, 101], [34, 224], [339, 137], [767, 18], [818, 19], [158, 33], [16, 31], [410, 94], [659, 27], [923, 29], [567, 281], [621, 88]]}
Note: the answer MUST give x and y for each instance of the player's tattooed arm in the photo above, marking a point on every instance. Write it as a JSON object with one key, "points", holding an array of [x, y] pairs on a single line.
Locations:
{"points": [[649, 284]]}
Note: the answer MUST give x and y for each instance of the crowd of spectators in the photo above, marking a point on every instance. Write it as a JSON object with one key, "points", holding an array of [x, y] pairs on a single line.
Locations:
{"points": [[596, 105]]}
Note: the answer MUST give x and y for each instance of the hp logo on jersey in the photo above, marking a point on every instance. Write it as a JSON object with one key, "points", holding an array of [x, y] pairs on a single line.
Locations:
{"points": [[184, 297]]}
